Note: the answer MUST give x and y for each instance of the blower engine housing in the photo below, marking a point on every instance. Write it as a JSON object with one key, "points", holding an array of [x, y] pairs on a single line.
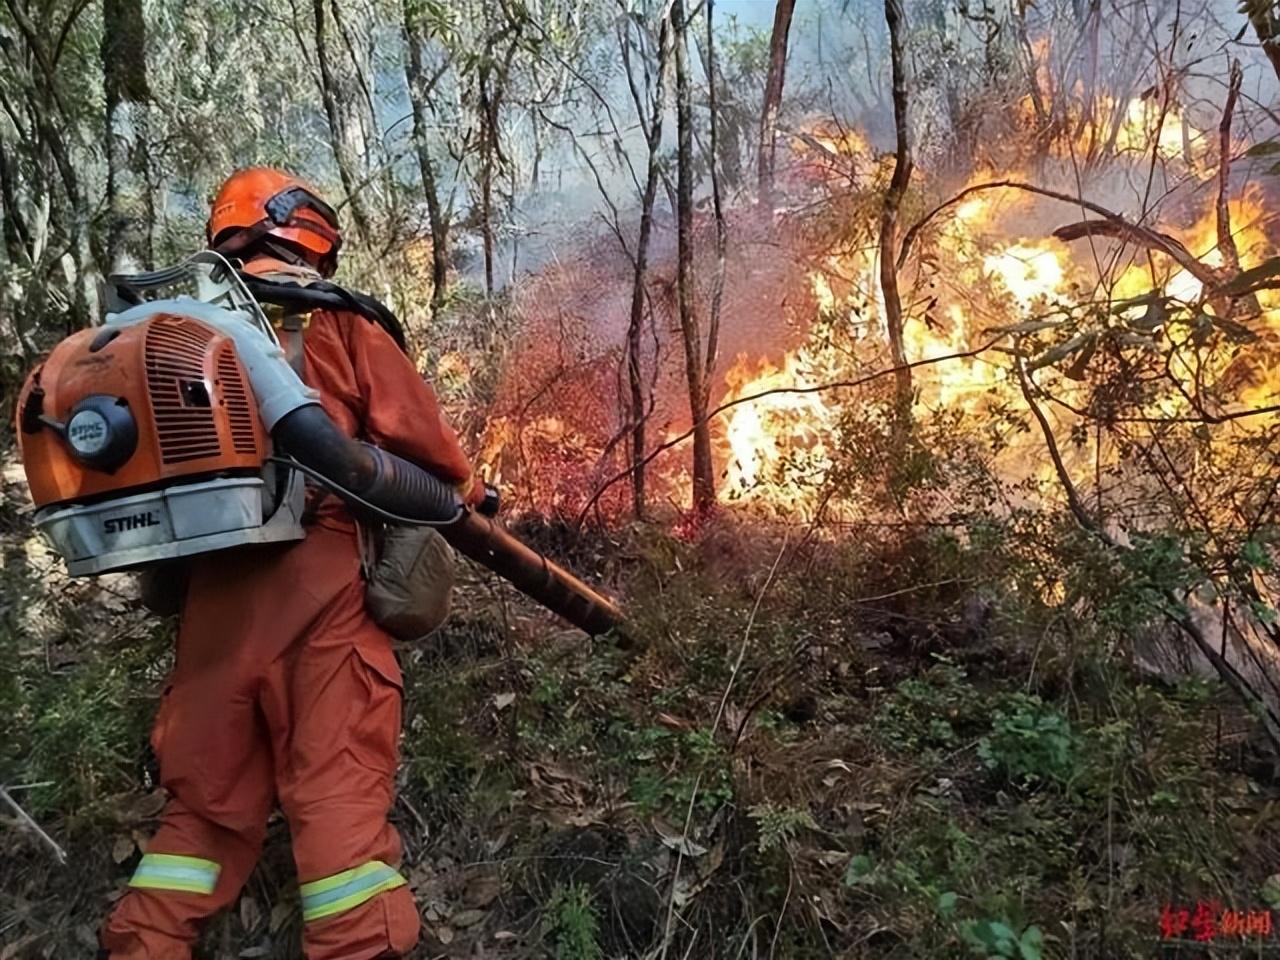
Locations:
{"points": [[142, 441]]}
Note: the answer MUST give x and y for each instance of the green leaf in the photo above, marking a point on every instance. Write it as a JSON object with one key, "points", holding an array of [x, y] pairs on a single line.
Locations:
{"points": [[982, 934], [947, 904], [987, 754], [1030, 944], [1255, 555], [1270, 891], [1264, 149], [1164, 798], [859, 870], [1262, 612], [1002, 931]]}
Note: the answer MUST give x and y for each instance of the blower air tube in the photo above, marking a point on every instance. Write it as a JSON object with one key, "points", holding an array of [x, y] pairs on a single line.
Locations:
{"points": [[396, 486], [382, 479]]}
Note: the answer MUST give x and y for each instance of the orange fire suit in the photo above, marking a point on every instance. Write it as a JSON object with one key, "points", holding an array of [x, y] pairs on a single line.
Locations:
{"points": [[285, 691]]}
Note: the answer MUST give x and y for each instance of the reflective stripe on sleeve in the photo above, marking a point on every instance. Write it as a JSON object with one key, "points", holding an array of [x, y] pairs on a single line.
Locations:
{"points": [[350, 888], [171, 871]]}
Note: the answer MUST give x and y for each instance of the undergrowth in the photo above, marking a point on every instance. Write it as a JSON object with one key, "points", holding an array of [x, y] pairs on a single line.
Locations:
{"points": [[909, 753]]}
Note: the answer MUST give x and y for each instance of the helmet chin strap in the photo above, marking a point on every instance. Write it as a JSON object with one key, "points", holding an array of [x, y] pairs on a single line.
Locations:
{"points": [[268, 246], [324, 265], [282, 252]]}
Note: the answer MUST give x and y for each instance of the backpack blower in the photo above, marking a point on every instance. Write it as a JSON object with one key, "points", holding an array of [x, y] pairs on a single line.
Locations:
{"points": [[178, 427]]}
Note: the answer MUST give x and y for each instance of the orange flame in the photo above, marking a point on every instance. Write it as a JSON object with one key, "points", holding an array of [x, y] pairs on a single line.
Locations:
{"points": [[779, 446]]}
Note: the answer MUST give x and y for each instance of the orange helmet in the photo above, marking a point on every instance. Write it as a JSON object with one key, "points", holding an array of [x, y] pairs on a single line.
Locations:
{"points": [[260, 202]]}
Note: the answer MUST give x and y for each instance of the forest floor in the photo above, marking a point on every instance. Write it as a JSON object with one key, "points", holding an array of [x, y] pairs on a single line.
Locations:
{"points": [[861, 749]]}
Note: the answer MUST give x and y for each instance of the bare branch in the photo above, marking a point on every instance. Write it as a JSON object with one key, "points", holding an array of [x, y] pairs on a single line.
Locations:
{"points": [[902, 168], [1154, 239], [1151, 239], [717, 287], [1226, 241], [1175, 608], [773, 95], [59, 854]]}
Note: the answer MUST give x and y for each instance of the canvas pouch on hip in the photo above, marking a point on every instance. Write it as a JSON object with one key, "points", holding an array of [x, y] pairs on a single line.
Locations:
{"points": [[411, 579]]}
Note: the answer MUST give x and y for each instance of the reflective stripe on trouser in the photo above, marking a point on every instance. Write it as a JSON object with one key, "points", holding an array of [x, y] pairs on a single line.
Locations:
{"points": [[171, 871], [350, 888]]}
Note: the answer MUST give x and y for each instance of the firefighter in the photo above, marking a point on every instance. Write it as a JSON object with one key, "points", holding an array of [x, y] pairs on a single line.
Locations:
{"points": [[284, 690]]}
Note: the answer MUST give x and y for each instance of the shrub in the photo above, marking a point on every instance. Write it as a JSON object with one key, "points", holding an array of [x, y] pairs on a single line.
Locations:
{"points": [[571, 923], [996, 938], [778, 825], [1029, 742], [926, 712]]}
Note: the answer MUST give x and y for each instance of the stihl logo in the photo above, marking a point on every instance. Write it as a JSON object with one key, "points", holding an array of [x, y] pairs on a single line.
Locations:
{"points": [[134, 522]]}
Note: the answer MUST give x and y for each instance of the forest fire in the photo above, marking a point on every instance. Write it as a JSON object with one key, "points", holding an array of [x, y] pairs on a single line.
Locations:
{"points": [[901, 380], [1005, 264], [777, 447]]}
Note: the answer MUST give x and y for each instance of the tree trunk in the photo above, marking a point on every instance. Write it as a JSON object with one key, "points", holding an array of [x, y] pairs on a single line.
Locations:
{"points": [[704, 490], [635, 327], [347, 164], [438, 217], [1267, 29], [1226, 238], [419, 89], [722, 239], [730, 130], [50, 136], [892, 206], [1027, 57], [17, 236], [15, 305], [56, 132], [773, 95], [493, 76], [492, 104], [124, 81], [486, 185]]}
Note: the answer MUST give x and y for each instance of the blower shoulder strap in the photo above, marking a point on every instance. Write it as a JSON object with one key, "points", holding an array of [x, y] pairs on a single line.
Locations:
{"points": [[292, 329], [322, 295]]}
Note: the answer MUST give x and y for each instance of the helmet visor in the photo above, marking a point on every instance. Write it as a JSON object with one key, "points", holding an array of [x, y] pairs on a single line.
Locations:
{"points": [[283, 210]]}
